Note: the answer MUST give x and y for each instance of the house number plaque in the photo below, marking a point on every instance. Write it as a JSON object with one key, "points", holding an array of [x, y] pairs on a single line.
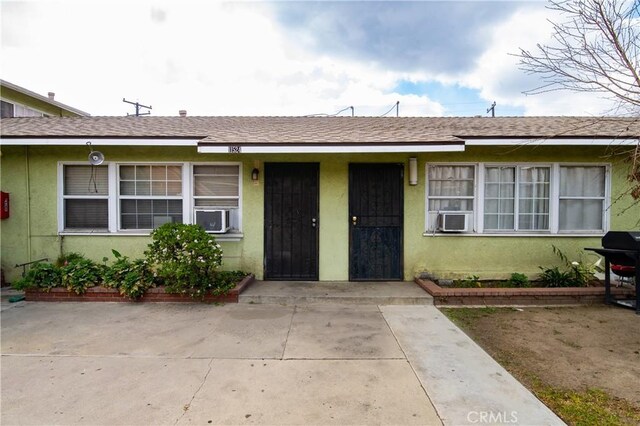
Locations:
{"points": [[234, 149]]}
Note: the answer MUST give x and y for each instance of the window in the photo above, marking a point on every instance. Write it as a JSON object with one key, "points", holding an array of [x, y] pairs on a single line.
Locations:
{"points": [[510, 198], [85, 197], [6, 110], [516, 192], [150, 195], [450, 188], [216, 186], [582, 198], [141, 197], [499, 201], [10, 109]]}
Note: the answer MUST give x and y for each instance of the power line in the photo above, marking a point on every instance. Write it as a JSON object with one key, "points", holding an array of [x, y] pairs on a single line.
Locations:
{"points": [[396, 106], [322, 114]]}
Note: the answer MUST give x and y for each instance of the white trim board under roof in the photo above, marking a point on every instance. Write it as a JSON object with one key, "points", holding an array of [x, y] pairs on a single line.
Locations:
{"points": [[552, 142], [328, 149], [100, 141], [305, 148]]}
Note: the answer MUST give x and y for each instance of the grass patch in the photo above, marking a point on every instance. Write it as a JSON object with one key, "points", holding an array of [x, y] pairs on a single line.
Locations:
{"points": [[466, 316], [591, 407]]}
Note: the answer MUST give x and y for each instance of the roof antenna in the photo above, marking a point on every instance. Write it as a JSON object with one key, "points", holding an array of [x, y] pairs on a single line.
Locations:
{"points": [[492, 109], [138, 106]]}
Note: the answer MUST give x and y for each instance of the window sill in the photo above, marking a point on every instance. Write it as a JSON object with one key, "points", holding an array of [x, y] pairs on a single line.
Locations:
{"points": [[235, 236], [512, 235]]}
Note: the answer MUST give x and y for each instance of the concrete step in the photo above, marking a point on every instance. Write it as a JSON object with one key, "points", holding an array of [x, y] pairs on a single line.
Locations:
{"points": [[335, 292]]}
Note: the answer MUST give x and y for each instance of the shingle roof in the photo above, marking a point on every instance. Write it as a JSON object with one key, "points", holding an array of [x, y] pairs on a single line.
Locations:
{"points": [[321, 130]]}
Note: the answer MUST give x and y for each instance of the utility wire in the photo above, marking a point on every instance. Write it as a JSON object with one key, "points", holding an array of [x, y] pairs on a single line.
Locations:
{"points": [[396, 106], [322, 114]]}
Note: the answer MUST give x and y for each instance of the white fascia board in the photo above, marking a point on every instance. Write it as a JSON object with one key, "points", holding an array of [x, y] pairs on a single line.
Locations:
{"points": [[327, 149], [552, 142], [99, 142]]}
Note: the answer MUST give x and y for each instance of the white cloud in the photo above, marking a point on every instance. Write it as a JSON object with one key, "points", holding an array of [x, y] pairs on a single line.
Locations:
{"points": [[498, 77], [209, 58], [214, 58]]}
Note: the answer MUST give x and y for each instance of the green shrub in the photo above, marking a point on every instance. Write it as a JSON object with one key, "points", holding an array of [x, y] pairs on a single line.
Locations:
{"points": [[80, 274], [41, 275], [186, 258], [131, 278], [472, 281], [519, 280], [226, 280], [554, 277], [581, 271], [67, 258]]}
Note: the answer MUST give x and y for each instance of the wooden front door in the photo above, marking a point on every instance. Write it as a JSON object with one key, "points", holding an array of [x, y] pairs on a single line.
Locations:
{"points": [[291, 221], [375, 221]]}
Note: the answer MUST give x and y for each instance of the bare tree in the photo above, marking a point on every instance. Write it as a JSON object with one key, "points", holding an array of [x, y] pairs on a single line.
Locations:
{"points": [[595, 48]]}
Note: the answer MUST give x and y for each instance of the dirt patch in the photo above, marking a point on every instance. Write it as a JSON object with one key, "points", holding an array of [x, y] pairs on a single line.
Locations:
{"points": [[570, 348]]}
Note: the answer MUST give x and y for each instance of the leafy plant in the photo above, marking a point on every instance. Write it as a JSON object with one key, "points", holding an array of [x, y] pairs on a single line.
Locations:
{"points": [[554, 277], [186, 257], [519, 280], [79, 275], [67, 258], [131, 278], [472, 281], [581, 270], [226, 280], [41, 275]]}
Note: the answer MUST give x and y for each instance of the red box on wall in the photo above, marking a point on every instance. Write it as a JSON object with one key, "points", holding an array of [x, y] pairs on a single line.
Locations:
{"points": [[4, 205]]}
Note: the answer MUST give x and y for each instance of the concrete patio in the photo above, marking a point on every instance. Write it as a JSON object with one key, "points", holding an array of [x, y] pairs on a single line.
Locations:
{"points": [[331, 292], [118, 363]]}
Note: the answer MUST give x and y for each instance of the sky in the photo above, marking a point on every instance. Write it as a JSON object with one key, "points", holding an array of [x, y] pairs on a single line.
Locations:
{"points": [[287, 58]]}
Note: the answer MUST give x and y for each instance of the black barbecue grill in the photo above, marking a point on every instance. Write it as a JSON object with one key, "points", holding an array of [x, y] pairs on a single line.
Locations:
{"points": [[621, 249]]}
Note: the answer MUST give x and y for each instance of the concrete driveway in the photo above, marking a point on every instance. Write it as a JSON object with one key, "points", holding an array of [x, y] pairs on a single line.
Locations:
{"points": [[119, 363]]}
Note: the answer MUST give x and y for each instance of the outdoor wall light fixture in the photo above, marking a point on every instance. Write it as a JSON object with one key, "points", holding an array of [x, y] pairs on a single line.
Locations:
{"points": [[413, 171], [255, 173]]}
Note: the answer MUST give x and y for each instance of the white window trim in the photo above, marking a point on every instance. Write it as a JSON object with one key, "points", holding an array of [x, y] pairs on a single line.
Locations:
{"points": [[554, 200], [114, 197], [146, 197], [192, 210], [61, 197], [516, 196], [474, 219], [18, 104]]}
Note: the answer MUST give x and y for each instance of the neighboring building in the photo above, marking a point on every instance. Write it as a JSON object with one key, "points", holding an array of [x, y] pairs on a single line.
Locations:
{"points": [[17, 101], [322, 198]]}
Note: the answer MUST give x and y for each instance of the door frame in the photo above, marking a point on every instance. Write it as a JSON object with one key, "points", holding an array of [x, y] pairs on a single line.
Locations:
{"points": [[316, 247], [401, 167]]}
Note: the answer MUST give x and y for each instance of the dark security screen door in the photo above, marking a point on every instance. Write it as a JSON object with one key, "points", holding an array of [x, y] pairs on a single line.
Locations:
{"points": [[291, 221], [375, 221]]}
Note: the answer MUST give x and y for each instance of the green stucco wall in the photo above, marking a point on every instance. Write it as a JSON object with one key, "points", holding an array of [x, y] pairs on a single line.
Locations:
{"points": [[13, 96], [30, 175]]}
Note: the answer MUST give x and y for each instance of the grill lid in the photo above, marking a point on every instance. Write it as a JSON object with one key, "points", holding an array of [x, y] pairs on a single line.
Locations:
{"points": [[621, 240]]}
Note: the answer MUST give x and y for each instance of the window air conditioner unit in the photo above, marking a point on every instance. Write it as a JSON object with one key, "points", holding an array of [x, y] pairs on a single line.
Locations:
{"points": [[453, 222], [213, 221]]}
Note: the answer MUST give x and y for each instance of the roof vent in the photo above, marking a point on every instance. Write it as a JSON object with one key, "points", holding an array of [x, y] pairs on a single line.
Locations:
{"points": [[51, 95], [182, 112]]}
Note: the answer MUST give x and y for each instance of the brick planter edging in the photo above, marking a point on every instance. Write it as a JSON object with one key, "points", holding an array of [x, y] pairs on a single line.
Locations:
{"points": [[518, 296], [157, 294]]}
